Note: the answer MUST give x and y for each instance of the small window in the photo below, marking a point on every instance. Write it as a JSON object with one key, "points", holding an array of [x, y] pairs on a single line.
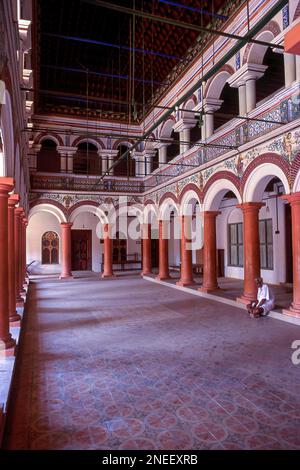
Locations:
{"points": [[236, 245], [266, 243]]}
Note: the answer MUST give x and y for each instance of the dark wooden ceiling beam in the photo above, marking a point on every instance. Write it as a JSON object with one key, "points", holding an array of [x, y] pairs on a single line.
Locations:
{"points": [[179, 24]]}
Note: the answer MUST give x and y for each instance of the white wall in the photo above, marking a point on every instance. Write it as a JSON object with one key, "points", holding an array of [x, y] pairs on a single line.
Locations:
{"points": [[174, 246], [88, 221], [231, 215], [39, 224]]}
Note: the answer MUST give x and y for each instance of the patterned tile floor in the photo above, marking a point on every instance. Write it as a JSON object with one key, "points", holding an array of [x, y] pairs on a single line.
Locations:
{"points": [[127, 364]]}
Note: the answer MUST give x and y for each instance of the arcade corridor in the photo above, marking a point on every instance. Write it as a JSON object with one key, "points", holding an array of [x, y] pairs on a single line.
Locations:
{"points": [[160, 369]]}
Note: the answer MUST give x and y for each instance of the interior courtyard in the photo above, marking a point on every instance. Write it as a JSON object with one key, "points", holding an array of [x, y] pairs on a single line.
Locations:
{"points": [[149, 181]]}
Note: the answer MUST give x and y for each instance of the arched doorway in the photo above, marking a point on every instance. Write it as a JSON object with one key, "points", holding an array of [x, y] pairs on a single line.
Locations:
{"points": [[126, 166], [87, 160], [48, 158], [50, 248]]}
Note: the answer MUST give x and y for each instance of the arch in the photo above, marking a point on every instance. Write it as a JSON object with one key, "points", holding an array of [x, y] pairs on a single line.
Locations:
{"points": [[7, 131], [216, 84], [91, 207], [295, 173], [127, 142], [189, 104], [82, 139], [168, 195], [49, 136], [48, 207], [48, 158], [259, 177], [216, 190], [254, 53], [167, 128], [191, 187], [185, 201], [86, 158], [149, 201], [168, 206], [150, 213], [296, 185]]}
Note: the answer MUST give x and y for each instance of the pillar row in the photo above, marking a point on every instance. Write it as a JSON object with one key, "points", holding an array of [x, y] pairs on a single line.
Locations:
{"points": [[14, 317], [7, 343]]}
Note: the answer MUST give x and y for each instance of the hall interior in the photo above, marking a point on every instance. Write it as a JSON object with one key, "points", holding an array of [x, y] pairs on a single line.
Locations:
{"points": [[149, 174]]}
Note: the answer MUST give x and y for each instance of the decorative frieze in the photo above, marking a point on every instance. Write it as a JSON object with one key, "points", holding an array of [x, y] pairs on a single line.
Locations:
{"points": [[69, 200]]}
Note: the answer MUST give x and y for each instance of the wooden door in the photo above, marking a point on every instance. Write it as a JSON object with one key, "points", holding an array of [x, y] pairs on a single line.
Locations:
{"points": [[81, 250], [50, 248]]}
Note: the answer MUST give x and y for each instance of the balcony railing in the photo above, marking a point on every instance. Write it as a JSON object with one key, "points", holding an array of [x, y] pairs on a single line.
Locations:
{"points": [[62, 182], [271, 113], [282, 108]]}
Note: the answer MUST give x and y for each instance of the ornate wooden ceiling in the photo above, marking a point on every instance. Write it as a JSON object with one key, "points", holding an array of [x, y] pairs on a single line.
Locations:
{"points": [[112, 63]]}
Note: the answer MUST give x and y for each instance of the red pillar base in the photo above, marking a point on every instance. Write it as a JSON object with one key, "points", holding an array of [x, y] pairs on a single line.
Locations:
{"points": [[149, 273], [292, 311], [244, 300], [162, 278], [185, 283], [14, 319], [13, 324], [207, 290], [107, 276], [66, 276], [7, 348]]}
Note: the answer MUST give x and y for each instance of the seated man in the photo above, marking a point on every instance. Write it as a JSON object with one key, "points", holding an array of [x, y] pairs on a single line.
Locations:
{"points": [[265, 300]]}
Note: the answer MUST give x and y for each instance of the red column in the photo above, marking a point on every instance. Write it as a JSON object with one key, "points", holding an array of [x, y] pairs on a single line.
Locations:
{"points": [[146, 241], [210, 280], [14, 317], [163, 250], [66, 262], [251, 249], [7, 343], [108, 267], [186, 271], [18, 215], [25, 224], [294, 200], [23, 249], [21, 271]]}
